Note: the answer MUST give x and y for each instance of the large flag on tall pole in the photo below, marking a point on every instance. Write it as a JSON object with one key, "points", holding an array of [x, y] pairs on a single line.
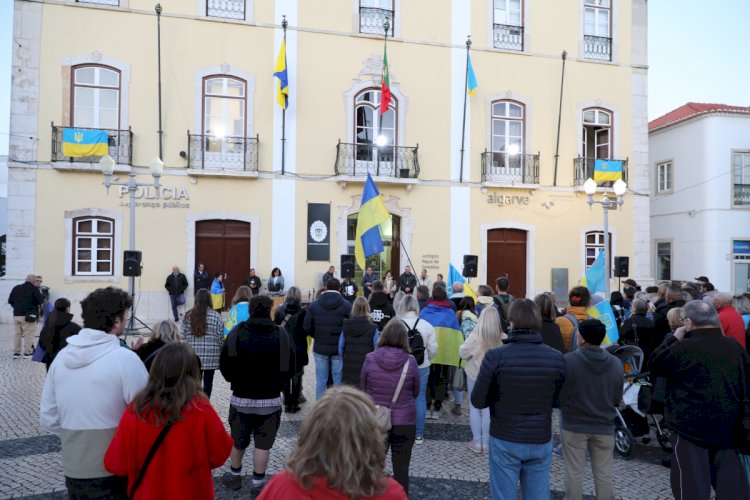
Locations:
{"points": [[385, 84], [471, 78], [279, 72], [372, 213]]}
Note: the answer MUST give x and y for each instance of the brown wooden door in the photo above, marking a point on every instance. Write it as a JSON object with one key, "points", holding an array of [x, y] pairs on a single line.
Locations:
{"points": [[506, 254], [396, 247], [224, 247]]}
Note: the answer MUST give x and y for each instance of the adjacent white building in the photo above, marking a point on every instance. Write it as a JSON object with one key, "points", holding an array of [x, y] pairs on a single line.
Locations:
{"points": [[700, 187]]}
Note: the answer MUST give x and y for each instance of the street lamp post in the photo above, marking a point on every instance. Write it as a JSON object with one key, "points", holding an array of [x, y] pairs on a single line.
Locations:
{"points": [[607, 204], [107, 165]]}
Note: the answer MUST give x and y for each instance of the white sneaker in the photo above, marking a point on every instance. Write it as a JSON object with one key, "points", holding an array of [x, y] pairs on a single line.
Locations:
{"points": [[435, 414]]}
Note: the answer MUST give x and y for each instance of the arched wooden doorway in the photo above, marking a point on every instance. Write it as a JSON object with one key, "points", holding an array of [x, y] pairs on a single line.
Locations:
{"points": [[506, 255], [224, 246]]}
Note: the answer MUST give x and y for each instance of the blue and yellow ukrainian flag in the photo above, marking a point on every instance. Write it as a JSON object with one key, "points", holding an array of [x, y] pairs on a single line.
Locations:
{"points": [[447, 332], [282, 85], [372, 213], [607, 170], [594, 279], [471, 78], [80, 142], [453, 276], [604, 313]]}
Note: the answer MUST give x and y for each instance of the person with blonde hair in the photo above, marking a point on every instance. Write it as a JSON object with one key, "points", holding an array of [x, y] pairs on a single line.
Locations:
{"points": [[339, 453], [240, 308], [359, 335], [381, 375], [674, 317], [163, 333], [487, 335]]}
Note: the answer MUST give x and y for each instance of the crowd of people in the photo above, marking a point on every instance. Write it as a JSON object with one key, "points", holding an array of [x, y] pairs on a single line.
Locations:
{"points": [[386, 361]]}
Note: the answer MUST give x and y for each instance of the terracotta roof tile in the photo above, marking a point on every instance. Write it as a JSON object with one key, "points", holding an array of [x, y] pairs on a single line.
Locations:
{"points": [[691, 110]]}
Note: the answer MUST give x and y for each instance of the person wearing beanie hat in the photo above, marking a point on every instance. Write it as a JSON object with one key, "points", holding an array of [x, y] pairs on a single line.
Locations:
{"points": [[592, 389]]}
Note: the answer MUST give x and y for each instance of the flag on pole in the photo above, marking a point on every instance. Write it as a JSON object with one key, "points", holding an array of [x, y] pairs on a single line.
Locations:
{"points": [[385, 84], [372, 213], [454, 276], [78, 142], [594, 279], [607, 170], [604, 313], [282, 84], [471, 78]]}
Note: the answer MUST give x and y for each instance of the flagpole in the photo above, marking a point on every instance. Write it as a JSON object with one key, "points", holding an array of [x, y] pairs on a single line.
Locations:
{"points": [[158, 55], [283, 110], [463, 125], [559, 116]]}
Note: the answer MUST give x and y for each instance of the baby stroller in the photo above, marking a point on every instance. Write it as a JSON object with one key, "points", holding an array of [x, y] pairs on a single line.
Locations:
{"points": [[636, 413]]}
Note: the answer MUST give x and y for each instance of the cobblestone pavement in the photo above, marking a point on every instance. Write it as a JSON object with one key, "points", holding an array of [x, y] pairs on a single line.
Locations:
{"points": [[442, 468]]}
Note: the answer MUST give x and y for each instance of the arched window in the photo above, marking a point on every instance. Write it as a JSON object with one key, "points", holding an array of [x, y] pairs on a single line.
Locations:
{"points": [[594, 243], [224, 123], [93, 246], [508, 127], [96, 97], [597, 133], [374, 133]]}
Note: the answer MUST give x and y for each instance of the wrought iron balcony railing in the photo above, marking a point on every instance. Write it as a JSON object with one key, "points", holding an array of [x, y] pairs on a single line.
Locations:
{"points": [[211, 152], [114, 3], [598, 48], [742, 194], [584, 169], [371, 20], [505, 167], [386, 161], [228, 9], [120, 146], [507, 37]]}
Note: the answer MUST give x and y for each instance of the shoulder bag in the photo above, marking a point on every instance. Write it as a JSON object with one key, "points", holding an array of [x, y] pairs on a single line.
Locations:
{"points": [[382, 412], [149, 457]]}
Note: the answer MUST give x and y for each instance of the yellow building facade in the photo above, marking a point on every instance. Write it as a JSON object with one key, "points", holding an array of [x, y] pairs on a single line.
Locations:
{"points": [[224, 198]]}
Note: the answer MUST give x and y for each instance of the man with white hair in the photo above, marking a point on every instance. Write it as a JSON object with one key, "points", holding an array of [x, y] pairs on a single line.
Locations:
{"points": [[731, 320], [458, 293], [705, 393]]}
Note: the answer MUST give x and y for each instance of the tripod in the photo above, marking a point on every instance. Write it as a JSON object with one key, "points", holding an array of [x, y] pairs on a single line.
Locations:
{"points": [[130, 329]]}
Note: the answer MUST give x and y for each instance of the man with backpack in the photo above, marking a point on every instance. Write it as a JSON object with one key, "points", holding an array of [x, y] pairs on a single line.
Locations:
{"points": [[257, 360], [424, 346], [503, 299], [579, 299]]}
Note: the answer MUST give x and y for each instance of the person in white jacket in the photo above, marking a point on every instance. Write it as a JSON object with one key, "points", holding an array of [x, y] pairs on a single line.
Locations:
{"points": [[407, 310], [88, 387], [487, 335]]}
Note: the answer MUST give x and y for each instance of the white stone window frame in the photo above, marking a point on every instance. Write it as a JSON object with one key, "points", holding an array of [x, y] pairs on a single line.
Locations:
{"points": [[732, 182], [526, 7], [613, 22], [223, 70], [614, 110], [99, 59], [249, 13], [97, 87], [94, 236], [612, 245], [349, 107], [395, 22], [656, 258], [658, 188], [528, 114], [69, 243]]}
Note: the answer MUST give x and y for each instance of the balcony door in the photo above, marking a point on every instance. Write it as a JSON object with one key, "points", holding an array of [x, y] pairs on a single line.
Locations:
{"points": [[224, 123], [597, 134], [374, 135], [96, 97], [507, 141]]}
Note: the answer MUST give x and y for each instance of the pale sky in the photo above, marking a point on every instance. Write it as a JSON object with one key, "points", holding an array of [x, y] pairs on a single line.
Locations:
{"points": [[698, 51]]}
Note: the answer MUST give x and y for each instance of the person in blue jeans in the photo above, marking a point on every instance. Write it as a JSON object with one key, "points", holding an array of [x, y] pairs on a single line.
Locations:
{"points": [[407, 310], [520, 382], [323, 322]]}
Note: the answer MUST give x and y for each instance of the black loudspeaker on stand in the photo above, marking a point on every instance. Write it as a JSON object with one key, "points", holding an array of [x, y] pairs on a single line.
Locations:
{"points": [[470, 266], [622, 265], [347, 266], [131, 263]]}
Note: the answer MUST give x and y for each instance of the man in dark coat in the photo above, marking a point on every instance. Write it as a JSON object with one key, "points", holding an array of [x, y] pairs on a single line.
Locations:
{"points": [[323, 322], [201, 278], [176, 285], [381, 311], [407, 282], [707, 383], [672, 298], [252, 281], [25, 300]]}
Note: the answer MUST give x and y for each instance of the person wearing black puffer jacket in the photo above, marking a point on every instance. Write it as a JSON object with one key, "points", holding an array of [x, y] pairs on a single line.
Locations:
{"points": [[323, 322], [381, 310], [359, 337], [291, 315], [520, 382], [59, 327]]}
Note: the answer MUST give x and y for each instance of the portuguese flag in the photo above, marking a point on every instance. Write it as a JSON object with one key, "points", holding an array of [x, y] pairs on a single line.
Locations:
{"points": [[385, 84]]}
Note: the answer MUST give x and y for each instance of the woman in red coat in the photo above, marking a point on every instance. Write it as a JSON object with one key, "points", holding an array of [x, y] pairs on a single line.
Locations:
{"points": [[195, 443]]}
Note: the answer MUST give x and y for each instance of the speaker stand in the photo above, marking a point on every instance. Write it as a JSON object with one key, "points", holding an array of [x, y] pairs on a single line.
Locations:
{"points": [[130, 329]]}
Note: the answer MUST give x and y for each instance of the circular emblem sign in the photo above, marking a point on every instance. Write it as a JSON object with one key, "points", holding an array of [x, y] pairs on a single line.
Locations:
{"points": [[318, 231]]}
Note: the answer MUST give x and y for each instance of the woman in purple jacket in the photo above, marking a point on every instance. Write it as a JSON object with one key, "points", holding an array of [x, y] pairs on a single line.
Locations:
{"points": [[379, 378]]}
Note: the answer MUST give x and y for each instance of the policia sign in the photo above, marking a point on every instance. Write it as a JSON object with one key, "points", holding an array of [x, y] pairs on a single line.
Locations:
{"points": [[318, 231]]}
